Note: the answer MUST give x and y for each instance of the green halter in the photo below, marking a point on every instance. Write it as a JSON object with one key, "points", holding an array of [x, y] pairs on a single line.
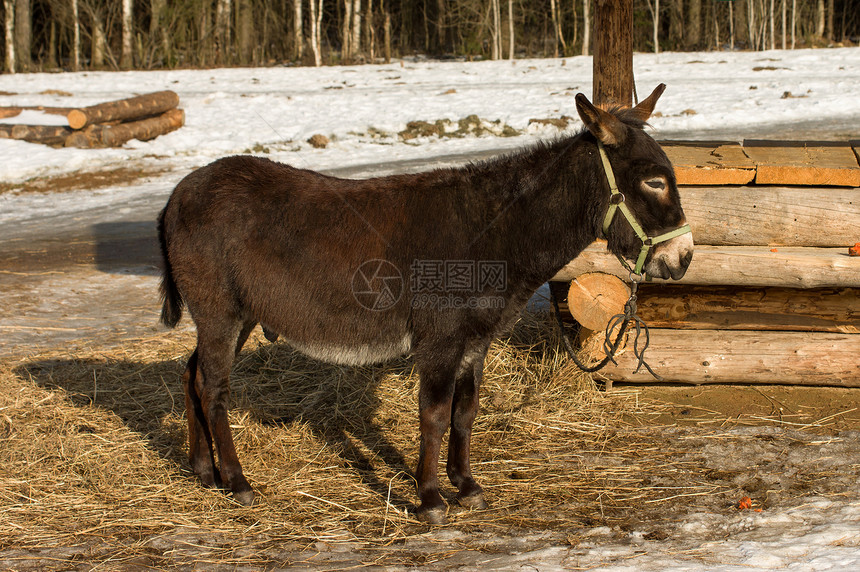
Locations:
{"points": [[617, 203]]}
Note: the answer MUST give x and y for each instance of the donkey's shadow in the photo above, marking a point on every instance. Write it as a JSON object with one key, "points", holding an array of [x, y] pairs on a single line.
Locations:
{"points": [[273, 384]]}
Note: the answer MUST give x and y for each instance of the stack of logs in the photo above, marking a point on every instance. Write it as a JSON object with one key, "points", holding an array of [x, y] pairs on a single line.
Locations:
{"points": [[772, 294], [108, 124]]}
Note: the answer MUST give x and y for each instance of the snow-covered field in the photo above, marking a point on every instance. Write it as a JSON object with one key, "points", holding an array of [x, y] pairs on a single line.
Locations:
{"points": [[274, 111]]}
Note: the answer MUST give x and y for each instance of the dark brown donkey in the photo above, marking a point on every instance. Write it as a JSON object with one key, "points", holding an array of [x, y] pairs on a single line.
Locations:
{"points": [[359, 271]]}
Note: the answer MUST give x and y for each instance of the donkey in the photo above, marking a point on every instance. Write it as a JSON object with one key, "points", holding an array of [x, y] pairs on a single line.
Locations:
{"points": [[436, 264]]}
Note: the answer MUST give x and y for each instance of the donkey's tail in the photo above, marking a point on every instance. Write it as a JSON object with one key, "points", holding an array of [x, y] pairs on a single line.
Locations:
{"points": [[171, 299]]}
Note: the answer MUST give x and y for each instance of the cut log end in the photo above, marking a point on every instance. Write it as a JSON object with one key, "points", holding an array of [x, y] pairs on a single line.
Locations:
{"points": [[77, 118], [595, 297]]}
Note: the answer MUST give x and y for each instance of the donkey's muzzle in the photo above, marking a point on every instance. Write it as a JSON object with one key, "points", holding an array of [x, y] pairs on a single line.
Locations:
{"points": [[671, 258]]}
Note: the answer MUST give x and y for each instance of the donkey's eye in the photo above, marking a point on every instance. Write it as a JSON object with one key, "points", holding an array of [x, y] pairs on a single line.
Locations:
{"points": [[655, 184]]}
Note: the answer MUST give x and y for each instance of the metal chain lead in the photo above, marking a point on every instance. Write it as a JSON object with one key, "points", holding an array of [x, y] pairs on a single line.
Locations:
{"points": [[610, 348]]}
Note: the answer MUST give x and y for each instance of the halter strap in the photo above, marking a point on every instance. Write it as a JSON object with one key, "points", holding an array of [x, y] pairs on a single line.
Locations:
{"points": [[617, 203]]}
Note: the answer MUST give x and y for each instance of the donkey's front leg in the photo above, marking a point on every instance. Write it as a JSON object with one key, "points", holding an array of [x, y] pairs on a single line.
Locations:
{"points": [[463, 412]]}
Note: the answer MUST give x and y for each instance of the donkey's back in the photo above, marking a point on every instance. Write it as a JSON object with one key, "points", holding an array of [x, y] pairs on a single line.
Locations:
{"points": [[246, 240]]}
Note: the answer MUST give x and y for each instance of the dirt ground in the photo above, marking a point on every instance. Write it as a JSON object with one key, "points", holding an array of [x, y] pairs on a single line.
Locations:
{"points": [[85, 292]]}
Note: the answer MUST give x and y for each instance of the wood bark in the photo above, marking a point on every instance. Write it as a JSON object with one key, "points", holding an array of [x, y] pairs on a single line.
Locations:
{"points": [[298, 30], [586, 27], [24, 35], [223, 15], [9, 30], [116, 135], [47, 134], [316, 9], [613, 52], [123, 109], [126, 58], [496, 33], [245, 31], [346, 36], [717, 356], [510, 29], [738, 308], [788, 267], [772, 216], [76, 37]]}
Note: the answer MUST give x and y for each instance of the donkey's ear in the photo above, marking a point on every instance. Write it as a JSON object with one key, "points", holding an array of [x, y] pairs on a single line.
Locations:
{"points": [[602, 124], [646, 107]]}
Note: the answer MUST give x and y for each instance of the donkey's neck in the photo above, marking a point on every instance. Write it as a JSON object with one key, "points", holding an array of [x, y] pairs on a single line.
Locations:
{"points": [[543, 205]]}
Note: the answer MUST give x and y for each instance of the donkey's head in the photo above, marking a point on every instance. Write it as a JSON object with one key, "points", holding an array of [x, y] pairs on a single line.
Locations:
{"points": [[645, 192]]}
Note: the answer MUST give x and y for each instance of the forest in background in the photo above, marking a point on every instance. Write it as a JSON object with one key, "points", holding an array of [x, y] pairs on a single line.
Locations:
{"points": [[51, 35]]}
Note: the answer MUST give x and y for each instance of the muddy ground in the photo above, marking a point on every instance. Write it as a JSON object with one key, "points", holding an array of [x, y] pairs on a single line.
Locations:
{"points": [[92, 283]]}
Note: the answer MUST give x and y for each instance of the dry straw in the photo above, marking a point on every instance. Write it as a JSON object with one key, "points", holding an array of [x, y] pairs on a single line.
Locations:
{"points": [[93, 456]]}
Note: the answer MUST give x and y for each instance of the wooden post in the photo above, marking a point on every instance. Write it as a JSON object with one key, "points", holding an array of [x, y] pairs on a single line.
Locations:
{"points": [[613, 52]]}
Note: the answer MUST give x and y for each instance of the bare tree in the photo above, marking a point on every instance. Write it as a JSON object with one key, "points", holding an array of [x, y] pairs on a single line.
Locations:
{"points": [[298, 32], [24, 35], [76, 37], [9, 28], [223, 14], [356, 27], [346, 36], [586, 26], [655, 18], [820, 19], [245, 31], [126, 58], [510, 29], [496, 33], [316, 25], [694, 24]]}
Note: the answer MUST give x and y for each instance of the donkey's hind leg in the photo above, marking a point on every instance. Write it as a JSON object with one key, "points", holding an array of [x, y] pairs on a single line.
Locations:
{"points": [[464, 408], [217, 342], [200, 453]]}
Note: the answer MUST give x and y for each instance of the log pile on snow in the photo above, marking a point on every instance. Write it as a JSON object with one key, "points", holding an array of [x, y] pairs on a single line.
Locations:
{"points": [[772, 295], [108, 124]]}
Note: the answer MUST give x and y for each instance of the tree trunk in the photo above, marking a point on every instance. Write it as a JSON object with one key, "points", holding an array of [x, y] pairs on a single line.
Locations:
{"points": [[586, 27], [497, 30], [772, 20], [793, 22], [356, 28], [24, 35], [694, 24], [346, 36], [370, 32], [387, 36], [298, 31], [613, 53], [828, 30], [510, 29], [245, 32], [820, 19], [9, 27], [123, 109], [116, 135], [783, 15], [655, 13], [223, 11], [126, 58], [99, 44], [316, 22], [76, 37]]}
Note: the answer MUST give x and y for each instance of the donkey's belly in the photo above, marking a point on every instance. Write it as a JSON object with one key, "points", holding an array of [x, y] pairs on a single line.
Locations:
{"points": [[354, 354]]}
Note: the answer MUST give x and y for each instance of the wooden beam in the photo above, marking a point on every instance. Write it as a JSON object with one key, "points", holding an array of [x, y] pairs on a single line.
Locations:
{"points": [[804, 163], [738, 308], [714, 163], [788, 267], [613, 53], [775, 216], [718, 356]]}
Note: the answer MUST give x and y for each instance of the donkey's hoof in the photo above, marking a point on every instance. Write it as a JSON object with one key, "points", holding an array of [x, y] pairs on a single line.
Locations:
{"points": [[245, 498], [475, 501], [433, 515]]}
